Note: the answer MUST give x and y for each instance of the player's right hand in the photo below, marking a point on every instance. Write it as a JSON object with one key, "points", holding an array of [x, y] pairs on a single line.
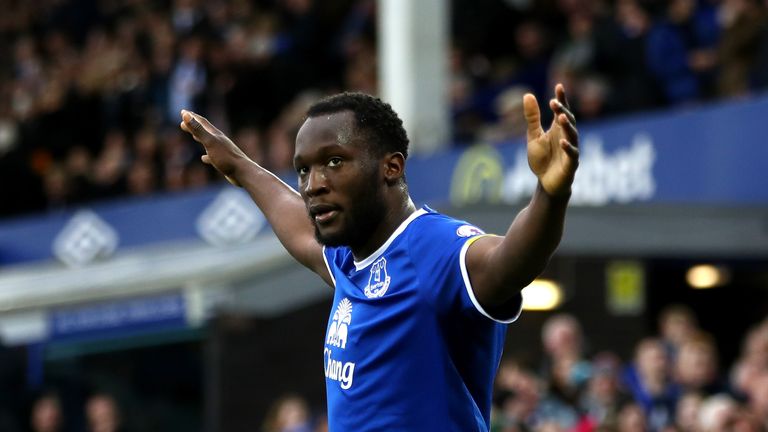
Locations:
{"points": [[553, 155], [220, 151]]}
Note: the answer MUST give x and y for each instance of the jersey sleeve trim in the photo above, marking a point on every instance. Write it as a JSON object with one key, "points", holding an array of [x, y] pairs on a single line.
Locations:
{"points": [[328, 266], [468, 284]]}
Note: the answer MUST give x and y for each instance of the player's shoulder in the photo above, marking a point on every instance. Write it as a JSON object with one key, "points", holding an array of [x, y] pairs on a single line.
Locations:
{"points": [[435, 226]]}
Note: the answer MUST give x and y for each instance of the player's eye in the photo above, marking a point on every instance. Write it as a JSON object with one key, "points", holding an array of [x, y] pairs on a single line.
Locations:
{"points": [[334, 162], [302, 171]]}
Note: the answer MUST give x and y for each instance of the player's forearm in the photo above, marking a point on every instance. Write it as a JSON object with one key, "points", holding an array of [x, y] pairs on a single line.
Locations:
{"points": [[282, 206], [531, 239]]}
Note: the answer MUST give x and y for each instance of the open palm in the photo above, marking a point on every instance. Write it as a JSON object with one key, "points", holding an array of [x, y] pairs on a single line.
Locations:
{"points": [[552, 155]]}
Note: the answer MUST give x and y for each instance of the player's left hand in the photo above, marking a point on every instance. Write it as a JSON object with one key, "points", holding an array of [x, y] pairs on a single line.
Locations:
{"points": [[552, 155]]}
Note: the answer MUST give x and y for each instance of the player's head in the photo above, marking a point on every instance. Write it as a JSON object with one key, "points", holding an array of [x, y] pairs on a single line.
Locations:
{"points": [[350, 158], [376, 123]]}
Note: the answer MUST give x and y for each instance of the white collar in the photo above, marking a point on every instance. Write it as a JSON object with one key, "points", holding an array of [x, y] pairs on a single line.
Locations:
{"points": [[372, 257]]}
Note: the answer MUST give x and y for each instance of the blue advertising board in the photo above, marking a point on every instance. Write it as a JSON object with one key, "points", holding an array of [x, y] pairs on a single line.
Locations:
{"points": [[117, 318], [713, 155]]}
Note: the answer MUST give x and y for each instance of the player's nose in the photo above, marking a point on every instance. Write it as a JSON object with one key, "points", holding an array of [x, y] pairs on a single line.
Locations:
{"points": [[316, 182]]}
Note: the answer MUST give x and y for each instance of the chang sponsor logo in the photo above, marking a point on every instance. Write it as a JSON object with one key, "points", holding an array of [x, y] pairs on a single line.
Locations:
{"points": [[339, 328], [338, 331], [337, 370]]}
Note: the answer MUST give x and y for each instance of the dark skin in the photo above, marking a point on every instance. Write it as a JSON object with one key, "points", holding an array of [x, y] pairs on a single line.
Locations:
{"points": [[331, 159]]}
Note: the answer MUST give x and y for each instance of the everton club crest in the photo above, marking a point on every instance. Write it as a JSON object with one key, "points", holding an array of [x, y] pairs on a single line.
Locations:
{"points": [[378, 282]]}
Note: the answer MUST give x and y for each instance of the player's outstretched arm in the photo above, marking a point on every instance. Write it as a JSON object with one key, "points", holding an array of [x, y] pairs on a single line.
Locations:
{"points": [[282, 205], [499, 267]]}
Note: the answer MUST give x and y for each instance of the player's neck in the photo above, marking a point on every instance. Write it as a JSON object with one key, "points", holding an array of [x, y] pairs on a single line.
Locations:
{"points": [[398, 213]]}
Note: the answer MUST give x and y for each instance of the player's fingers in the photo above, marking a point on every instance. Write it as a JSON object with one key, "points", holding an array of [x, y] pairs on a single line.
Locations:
{"points": [[206, 159], [560, 96], [205, 123], [558, 108], [198, 125], [194, 126], [571, 150], [569, 128], [532, 116]]}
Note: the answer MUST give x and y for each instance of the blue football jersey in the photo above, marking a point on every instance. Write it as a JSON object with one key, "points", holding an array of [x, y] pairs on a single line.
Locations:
{"points": [[408, 347]]}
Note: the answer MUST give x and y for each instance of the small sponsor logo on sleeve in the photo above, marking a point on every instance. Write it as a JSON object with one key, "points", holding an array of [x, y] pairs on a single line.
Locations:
{"points": [[468, 231]]}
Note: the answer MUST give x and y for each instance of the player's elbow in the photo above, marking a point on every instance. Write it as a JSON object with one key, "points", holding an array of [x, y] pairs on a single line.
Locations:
{"points": [[500, 290]]}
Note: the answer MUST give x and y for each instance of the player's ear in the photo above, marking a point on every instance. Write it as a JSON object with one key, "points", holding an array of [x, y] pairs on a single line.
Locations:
{"points": [[394, 167]]}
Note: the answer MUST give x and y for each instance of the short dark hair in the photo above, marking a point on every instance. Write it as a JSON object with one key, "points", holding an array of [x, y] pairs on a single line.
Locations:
{"points": [[374, 117]]}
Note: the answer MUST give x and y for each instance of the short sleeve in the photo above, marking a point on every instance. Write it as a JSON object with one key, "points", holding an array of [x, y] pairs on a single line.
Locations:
{"points": [[438, 248], [515, 305]]}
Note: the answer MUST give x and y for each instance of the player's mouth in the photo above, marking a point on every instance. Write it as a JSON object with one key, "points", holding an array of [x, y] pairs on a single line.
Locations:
{"points": [[323, 213]]}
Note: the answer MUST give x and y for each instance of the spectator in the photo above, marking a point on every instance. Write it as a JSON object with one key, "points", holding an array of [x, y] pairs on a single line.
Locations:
{"points": [[57, 188], [620, 57], [559, 403], [111, 164], [187, 79], [755, 348], [742, 21], [511, 122], [102, 413], [648, 382], [717, 413], [687, 412], [677, 323], [288, 414], [46, 414], [758, 399], [518, 397], [141, 178], [632, 418], [563, 342], [696, 366], [681, 51], [603, 396]]}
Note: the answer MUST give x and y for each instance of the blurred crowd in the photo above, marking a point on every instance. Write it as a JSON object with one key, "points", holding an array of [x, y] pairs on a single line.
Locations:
{"points": [[673, 383], [91, 89], [101, 413], [90, 99]]}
